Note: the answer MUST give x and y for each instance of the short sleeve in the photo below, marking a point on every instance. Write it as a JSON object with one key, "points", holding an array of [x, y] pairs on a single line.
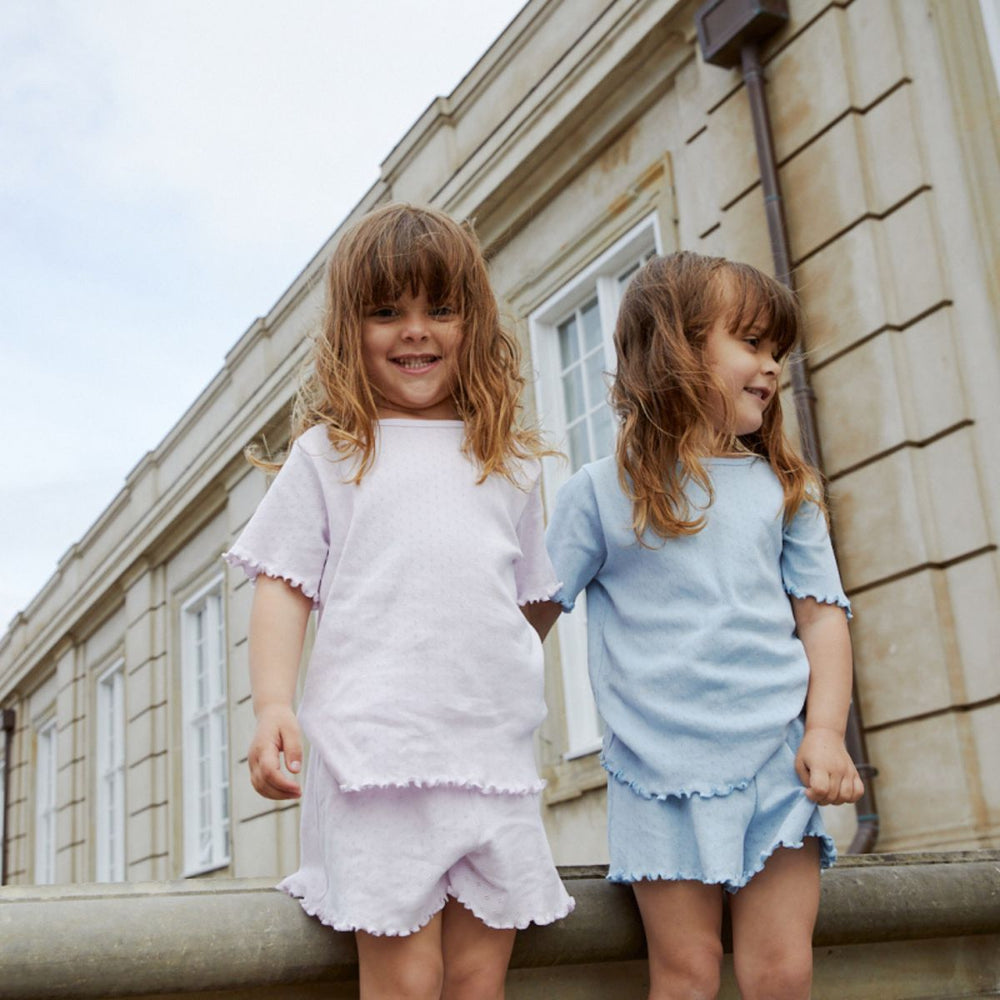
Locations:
{"points": [[575, 538], [533, 572], [808, 565], [288, 536]]}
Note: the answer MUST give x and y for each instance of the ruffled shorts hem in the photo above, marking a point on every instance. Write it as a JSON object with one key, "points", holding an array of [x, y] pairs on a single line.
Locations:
{"points": [[827, 859], [341, 923]]}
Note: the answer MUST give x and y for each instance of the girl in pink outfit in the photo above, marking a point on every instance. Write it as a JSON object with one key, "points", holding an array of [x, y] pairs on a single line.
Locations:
{"points": [[408, 514]]}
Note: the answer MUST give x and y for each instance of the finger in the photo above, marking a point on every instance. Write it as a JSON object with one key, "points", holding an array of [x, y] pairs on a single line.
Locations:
{"points": [[292, 747], [802, 771], [819, 786]]}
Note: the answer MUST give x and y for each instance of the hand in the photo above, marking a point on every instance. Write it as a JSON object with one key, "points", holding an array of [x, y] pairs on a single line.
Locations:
{"points": [[277, 733], [825, 767]]}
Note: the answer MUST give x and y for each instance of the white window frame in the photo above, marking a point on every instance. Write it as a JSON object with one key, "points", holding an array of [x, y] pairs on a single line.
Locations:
{"points": [[207, 813], [46, 783], [600, 278], [110, 731]]}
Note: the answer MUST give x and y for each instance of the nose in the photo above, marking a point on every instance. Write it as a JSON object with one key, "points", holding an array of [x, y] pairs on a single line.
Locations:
{"points": [[769, 366], [415, 325]]}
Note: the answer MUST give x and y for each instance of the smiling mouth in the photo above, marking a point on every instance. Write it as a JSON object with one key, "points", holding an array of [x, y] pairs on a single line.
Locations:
{"points": [[414, 362], [762, 394]]}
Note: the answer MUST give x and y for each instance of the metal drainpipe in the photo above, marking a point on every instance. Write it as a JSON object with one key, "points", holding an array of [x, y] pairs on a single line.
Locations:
{"points": [[9, 718], [753, 77]]}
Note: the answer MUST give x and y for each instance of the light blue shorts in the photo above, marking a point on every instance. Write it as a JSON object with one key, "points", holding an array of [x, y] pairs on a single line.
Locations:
{"points": [[719, 840]]}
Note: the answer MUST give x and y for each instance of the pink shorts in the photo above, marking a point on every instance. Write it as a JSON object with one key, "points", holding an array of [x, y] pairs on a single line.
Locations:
{"points": [[386, 860]]}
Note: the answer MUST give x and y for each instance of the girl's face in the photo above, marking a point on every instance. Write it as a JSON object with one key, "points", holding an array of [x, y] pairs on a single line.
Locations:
{"points": [[410, 353], [745, 362]]}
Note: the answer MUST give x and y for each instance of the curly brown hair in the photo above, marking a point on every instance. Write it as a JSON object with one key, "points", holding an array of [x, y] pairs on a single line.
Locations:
{"points": [[667, 399], [398, 248]]}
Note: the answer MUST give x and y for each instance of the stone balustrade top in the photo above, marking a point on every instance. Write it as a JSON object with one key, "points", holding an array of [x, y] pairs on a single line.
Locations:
{"points": [[200, 936]]}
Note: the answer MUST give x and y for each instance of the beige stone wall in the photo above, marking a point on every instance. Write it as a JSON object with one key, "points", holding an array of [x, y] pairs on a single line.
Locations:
{"points": [[584, 119]]}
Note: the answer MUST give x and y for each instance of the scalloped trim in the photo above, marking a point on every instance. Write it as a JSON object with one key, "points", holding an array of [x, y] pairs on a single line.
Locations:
{"points": [[545, 595], [253, 568], [340, 924], [468, 784], [713, 791], [839, 599], [827, 858]]}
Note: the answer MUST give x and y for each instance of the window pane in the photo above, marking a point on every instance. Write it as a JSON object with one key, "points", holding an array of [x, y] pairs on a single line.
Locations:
{"points": [[579, 445], [569, 348], [603, 427], [573, 397], [591, 319], [597, 387]]}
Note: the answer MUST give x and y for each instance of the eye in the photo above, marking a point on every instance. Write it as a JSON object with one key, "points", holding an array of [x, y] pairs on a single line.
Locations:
{"points": [[382, 312], [753, 340], [442, 312]]}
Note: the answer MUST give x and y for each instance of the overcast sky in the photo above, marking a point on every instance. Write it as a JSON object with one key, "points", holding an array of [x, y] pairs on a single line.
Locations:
{"points": [[167, 168]]}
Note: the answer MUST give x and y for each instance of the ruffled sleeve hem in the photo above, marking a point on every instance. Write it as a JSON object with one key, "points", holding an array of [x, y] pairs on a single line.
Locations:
{"points": [[839, 599], [254, 568], [548, 593], [706, 791]]}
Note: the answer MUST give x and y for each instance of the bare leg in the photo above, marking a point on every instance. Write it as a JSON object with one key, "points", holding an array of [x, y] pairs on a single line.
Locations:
{"points": [[683, 924], [402, 968], [773, 919], [475, 956]]}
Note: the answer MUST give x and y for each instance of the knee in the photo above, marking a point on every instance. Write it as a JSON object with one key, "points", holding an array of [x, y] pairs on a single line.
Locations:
{"points": [[416, 980], [473, 981], [783, 976], [694, 974]]}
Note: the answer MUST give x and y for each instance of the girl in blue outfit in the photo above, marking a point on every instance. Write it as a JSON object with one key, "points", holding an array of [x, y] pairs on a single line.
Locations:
{"points": [[718, 642]]}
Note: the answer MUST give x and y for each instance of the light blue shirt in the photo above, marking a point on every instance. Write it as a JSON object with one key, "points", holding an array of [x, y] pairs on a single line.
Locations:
{"points": [[694, 661]]}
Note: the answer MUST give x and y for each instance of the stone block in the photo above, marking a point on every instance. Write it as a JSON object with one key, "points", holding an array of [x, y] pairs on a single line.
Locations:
{"points": [[875, 62], [696, 192], [824, 188], [146, 734], [959, 523], [267, 845], [913, 251], [241, 729], [146, 834], [729, 156], [743, 233], [243, 497], [931, 391], [984, 726], [808, 86], [973, 588], [879, 520], [858, 410], [841, 292], [923, 789], [893, 166], [146, 782], [902, 655]]}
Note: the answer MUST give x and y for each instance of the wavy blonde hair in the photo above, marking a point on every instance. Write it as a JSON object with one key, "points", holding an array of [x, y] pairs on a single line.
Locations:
{"points": [[394, 249], [667, 399]]}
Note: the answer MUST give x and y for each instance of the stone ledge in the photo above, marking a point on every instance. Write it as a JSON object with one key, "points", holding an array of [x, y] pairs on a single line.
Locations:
{"points": [[199, 936]]}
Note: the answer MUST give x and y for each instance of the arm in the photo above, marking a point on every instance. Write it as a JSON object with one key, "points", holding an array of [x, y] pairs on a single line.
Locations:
{"points": [[541, 615], [277, 631], [823, 763]]}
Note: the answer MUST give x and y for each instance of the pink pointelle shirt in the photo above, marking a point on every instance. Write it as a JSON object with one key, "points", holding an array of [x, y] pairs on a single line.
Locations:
{"points": [[424, 671]]}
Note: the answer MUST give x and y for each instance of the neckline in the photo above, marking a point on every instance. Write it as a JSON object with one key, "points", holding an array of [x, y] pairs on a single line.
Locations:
{"points": [[417, 422]]}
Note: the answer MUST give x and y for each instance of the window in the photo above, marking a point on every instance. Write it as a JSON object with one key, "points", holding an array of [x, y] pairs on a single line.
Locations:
{"points": [[111, 775], [45, 804], [206, 733], [573, 352]]}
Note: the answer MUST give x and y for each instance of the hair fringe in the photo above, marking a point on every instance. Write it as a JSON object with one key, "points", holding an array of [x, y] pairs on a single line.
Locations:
{"points": [[665, 395]]}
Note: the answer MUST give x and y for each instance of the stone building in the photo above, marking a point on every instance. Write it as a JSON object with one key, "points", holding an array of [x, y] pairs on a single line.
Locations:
{"points": [[590, 135]]}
